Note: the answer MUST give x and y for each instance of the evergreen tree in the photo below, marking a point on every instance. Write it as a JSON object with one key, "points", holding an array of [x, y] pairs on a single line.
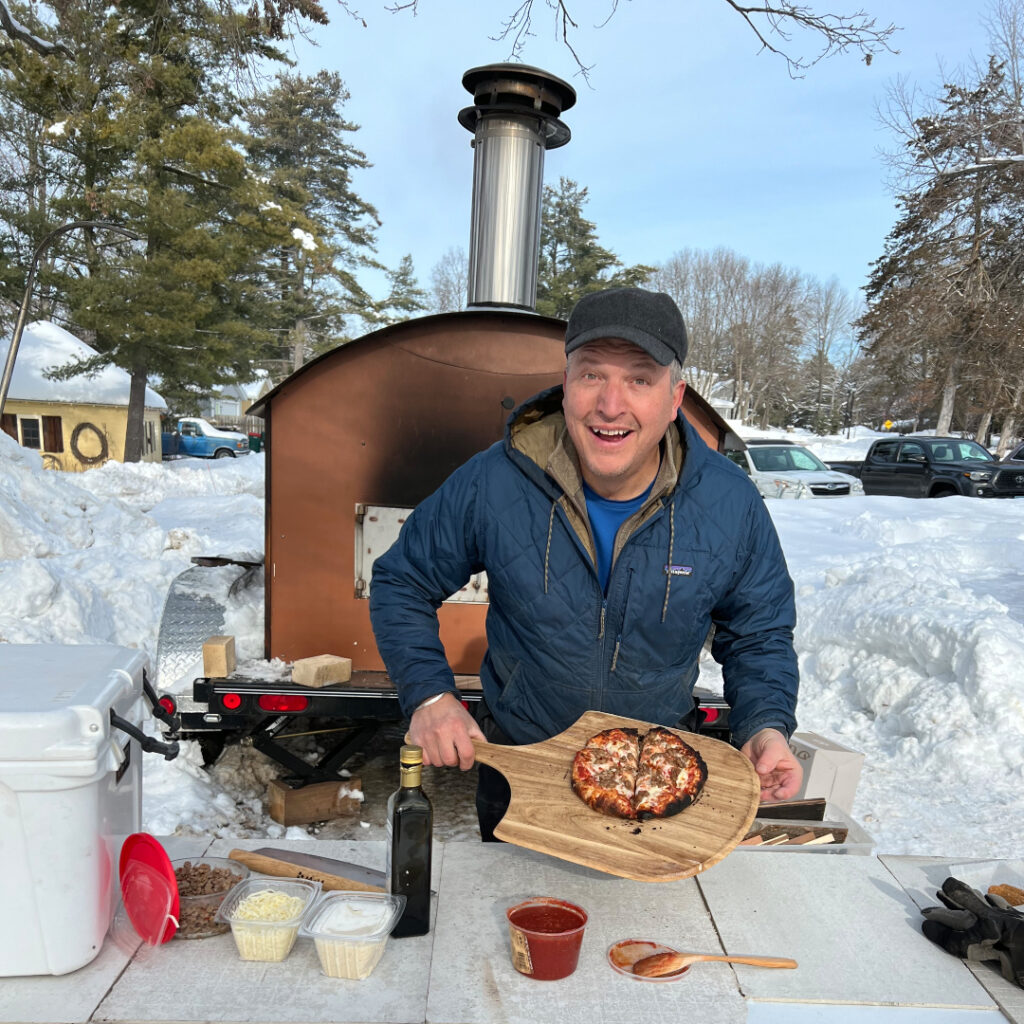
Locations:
{"points": [[406, 298], [572, 261], [149, 139], [938, 297], [300, 140]]}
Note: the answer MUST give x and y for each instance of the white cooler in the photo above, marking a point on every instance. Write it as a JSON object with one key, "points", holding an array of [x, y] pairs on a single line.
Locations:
{"points": [[70, 792]]}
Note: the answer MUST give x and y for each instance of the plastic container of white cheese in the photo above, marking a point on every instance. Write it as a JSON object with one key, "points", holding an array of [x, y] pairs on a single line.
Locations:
{"points": [[350, 931], [265, 914]]}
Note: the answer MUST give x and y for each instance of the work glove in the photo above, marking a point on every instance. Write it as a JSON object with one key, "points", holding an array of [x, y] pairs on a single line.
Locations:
{"points": [[976, 927]]}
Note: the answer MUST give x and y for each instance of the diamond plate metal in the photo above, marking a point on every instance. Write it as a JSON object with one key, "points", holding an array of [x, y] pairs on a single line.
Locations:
{"points": [[188, 619]]}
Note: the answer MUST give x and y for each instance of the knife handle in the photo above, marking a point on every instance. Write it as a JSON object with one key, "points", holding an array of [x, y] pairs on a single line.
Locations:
{"points": [[284, 869]]}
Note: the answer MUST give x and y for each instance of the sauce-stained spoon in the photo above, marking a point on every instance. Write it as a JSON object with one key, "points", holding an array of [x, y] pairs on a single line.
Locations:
{"points": [[661, 964]]}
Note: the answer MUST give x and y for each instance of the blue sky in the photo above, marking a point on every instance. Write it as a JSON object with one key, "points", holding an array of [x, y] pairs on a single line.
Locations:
{"points": [[686, 136]]}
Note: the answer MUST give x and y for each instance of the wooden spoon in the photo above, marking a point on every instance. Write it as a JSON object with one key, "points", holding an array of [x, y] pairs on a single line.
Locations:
{"points": [[671, 963]]}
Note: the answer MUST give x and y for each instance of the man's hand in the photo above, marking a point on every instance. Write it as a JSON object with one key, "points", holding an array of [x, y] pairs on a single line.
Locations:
{"points": [[779, 771], [445, 731]]}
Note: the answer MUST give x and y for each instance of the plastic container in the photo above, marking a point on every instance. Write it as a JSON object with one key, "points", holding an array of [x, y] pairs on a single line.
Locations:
{"points": [[197, 910], [265, 926], [70, 792], [546, 935], [855, 841], [350, 931]]}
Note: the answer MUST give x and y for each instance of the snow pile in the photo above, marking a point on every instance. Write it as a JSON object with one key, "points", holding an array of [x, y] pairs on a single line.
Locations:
{"points": [[910, 632], [911, 642], [88, 557]]}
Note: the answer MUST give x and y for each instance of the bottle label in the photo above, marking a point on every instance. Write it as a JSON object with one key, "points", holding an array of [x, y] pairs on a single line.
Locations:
{"points": [[520, 951]]}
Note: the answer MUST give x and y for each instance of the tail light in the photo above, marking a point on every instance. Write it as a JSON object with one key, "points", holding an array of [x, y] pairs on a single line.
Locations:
{"points": [[710, 715], [168, 704], [278, 702], [232, 701]]}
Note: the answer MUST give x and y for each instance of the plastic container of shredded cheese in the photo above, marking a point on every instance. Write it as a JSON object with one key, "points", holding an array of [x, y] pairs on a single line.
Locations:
{"points": [[351, 929], [265, 914]]}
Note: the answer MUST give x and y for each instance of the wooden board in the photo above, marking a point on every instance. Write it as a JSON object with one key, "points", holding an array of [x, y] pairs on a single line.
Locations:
{"points": [[546, 815]]}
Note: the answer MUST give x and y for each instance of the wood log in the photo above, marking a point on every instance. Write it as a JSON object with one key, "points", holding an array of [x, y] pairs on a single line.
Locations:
{"points": [[319, 801]]}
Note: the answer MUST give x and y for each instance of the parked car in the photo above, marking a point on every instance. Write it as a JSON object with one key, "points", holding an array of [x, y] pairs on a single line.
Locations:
{"points": [[1015, 454], [935, 467], [781, 469], [196, 437]]}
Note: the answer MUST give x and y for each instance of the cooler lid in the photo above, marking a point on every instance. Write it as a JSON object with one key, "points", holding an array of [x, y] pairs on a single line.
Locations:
{"points": [[55, 699]]}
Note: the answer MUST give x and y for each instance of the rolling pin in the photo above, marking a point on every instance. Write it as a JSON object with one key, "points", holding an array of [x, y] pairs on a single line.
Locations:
{"points": [[267, 865]]}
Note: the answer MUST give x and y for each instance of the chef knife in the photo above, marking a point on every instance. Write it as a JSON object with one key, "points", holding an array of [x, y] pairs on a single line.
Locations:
{"points": [[333, 874]]}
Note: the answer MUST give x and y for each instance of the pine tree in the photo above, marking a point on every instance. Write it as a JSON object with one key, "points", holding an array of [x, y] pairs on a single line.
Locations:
{"points": [[406, 298], [150, 140], [572, 261], [938, 295], [300, 140]]}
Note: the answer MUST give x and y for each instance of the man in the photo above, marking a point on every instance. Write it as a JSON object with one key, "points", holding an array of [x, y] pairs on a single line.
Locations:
{"points": [[613, 539]]}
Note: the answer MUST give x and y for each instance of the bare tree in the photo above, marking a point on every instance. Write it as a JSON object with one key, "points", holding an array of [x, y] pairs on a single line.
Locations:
{"points": [[705, 287], [745, 324], [830, 311], [449, 281], [775, 24]]}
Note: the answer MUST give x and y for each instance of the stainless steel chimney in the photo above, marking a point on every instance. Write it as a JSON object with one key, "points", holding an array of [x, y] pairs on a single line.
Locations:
{"points": [[514, 119]]}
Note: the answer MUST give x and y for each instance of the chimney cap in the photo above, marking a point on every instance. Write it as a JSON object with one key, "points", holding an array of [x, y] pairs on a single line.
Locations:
{"points": [[519, 89]]}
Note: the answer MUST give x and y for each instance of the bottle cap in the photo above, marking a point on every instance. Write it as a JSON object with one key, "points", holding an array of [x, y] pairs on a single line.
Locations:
{"points": [[411, 754]]}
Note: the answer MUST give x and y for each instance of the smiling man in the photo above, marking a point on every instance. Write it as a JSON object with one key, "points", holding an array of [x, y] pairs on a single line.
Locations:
{"points": [[614, 540]]}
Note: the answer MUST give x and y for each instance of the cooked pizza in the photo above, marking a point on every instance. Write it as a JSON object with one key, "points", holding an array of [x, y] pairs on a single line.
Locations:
{"points": [[622, 773]]}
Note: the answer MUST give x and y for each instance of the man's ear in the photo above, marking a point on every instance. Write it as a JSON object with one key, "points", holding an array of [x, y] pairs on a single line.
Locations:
{"points": [[678, 391]]}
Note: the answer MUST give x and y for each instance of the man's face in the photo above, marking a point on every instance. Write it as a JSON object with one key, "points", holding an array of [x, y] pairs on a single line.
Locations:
{"points": [[618, 403]]}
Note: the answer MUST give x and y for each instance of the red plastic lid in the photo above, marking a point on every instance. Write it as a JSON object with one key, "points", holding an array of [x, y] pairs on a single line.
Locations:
{"points": [[149, 888]]}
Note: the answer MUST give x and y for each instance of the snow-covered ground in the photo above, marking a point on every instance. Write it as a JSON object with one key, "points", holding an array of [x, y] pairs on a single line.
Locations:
{"points": [[910, 632]]}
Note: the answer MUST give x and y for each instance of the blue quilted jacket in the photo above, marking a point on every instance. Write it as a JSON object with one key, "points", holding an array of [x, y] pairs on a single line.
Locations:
{"points": [[702, 551]]}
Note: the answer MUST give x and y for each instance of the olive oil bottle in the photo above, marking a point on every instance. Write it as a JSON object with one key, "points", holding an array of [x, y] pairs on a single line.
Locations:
{"points": [[410, 828]]}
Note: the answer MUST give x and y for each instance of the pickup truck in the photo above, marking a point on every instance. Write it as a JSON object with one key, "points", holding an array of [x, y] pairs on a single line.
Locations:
{"points": [[934, 467], [194, 436]]}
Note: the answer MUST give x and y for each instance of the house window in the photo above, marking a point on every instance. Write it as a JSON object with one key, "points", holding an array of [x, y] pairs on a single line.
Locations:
{"points": [[31, 436], [53, 434], [150, 438]]}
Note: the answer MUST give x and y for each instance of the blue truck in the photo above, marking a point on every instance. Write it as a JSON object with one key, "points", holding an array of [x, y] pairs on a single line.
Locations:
{"points": [[194, 437]]}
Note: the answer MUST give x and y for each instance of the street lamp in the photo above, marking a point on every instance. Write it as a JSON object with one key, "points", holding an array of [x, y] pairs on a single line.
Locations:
{"points": [[19, 327]]}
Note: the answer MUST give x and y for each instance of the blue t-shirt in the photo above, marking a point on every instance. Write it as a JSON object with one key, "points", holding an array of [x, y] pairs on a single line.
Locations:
{"points": [[606, 516]]}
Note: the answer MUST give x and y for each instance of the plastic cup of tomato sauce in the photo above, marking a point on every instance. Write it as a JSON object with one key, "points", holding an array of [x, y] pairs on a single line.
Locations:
{"points": [[546, 935]]}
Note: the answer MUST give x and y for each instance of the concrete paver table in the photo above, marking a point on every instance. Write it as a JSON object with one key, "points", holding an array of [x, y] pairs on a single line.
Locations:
{"points": [[849, 921]]}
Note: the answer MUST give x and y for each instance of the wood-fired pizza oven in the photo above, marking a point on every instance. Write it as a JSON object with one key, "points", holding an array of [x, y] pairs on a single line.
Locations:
{"points": [[362, 434]]}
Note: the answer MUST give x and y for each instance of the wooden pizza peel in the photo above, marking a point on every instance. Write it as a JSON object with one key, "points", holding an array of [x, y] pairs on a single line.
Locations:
{"points": [[544, 813]]}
